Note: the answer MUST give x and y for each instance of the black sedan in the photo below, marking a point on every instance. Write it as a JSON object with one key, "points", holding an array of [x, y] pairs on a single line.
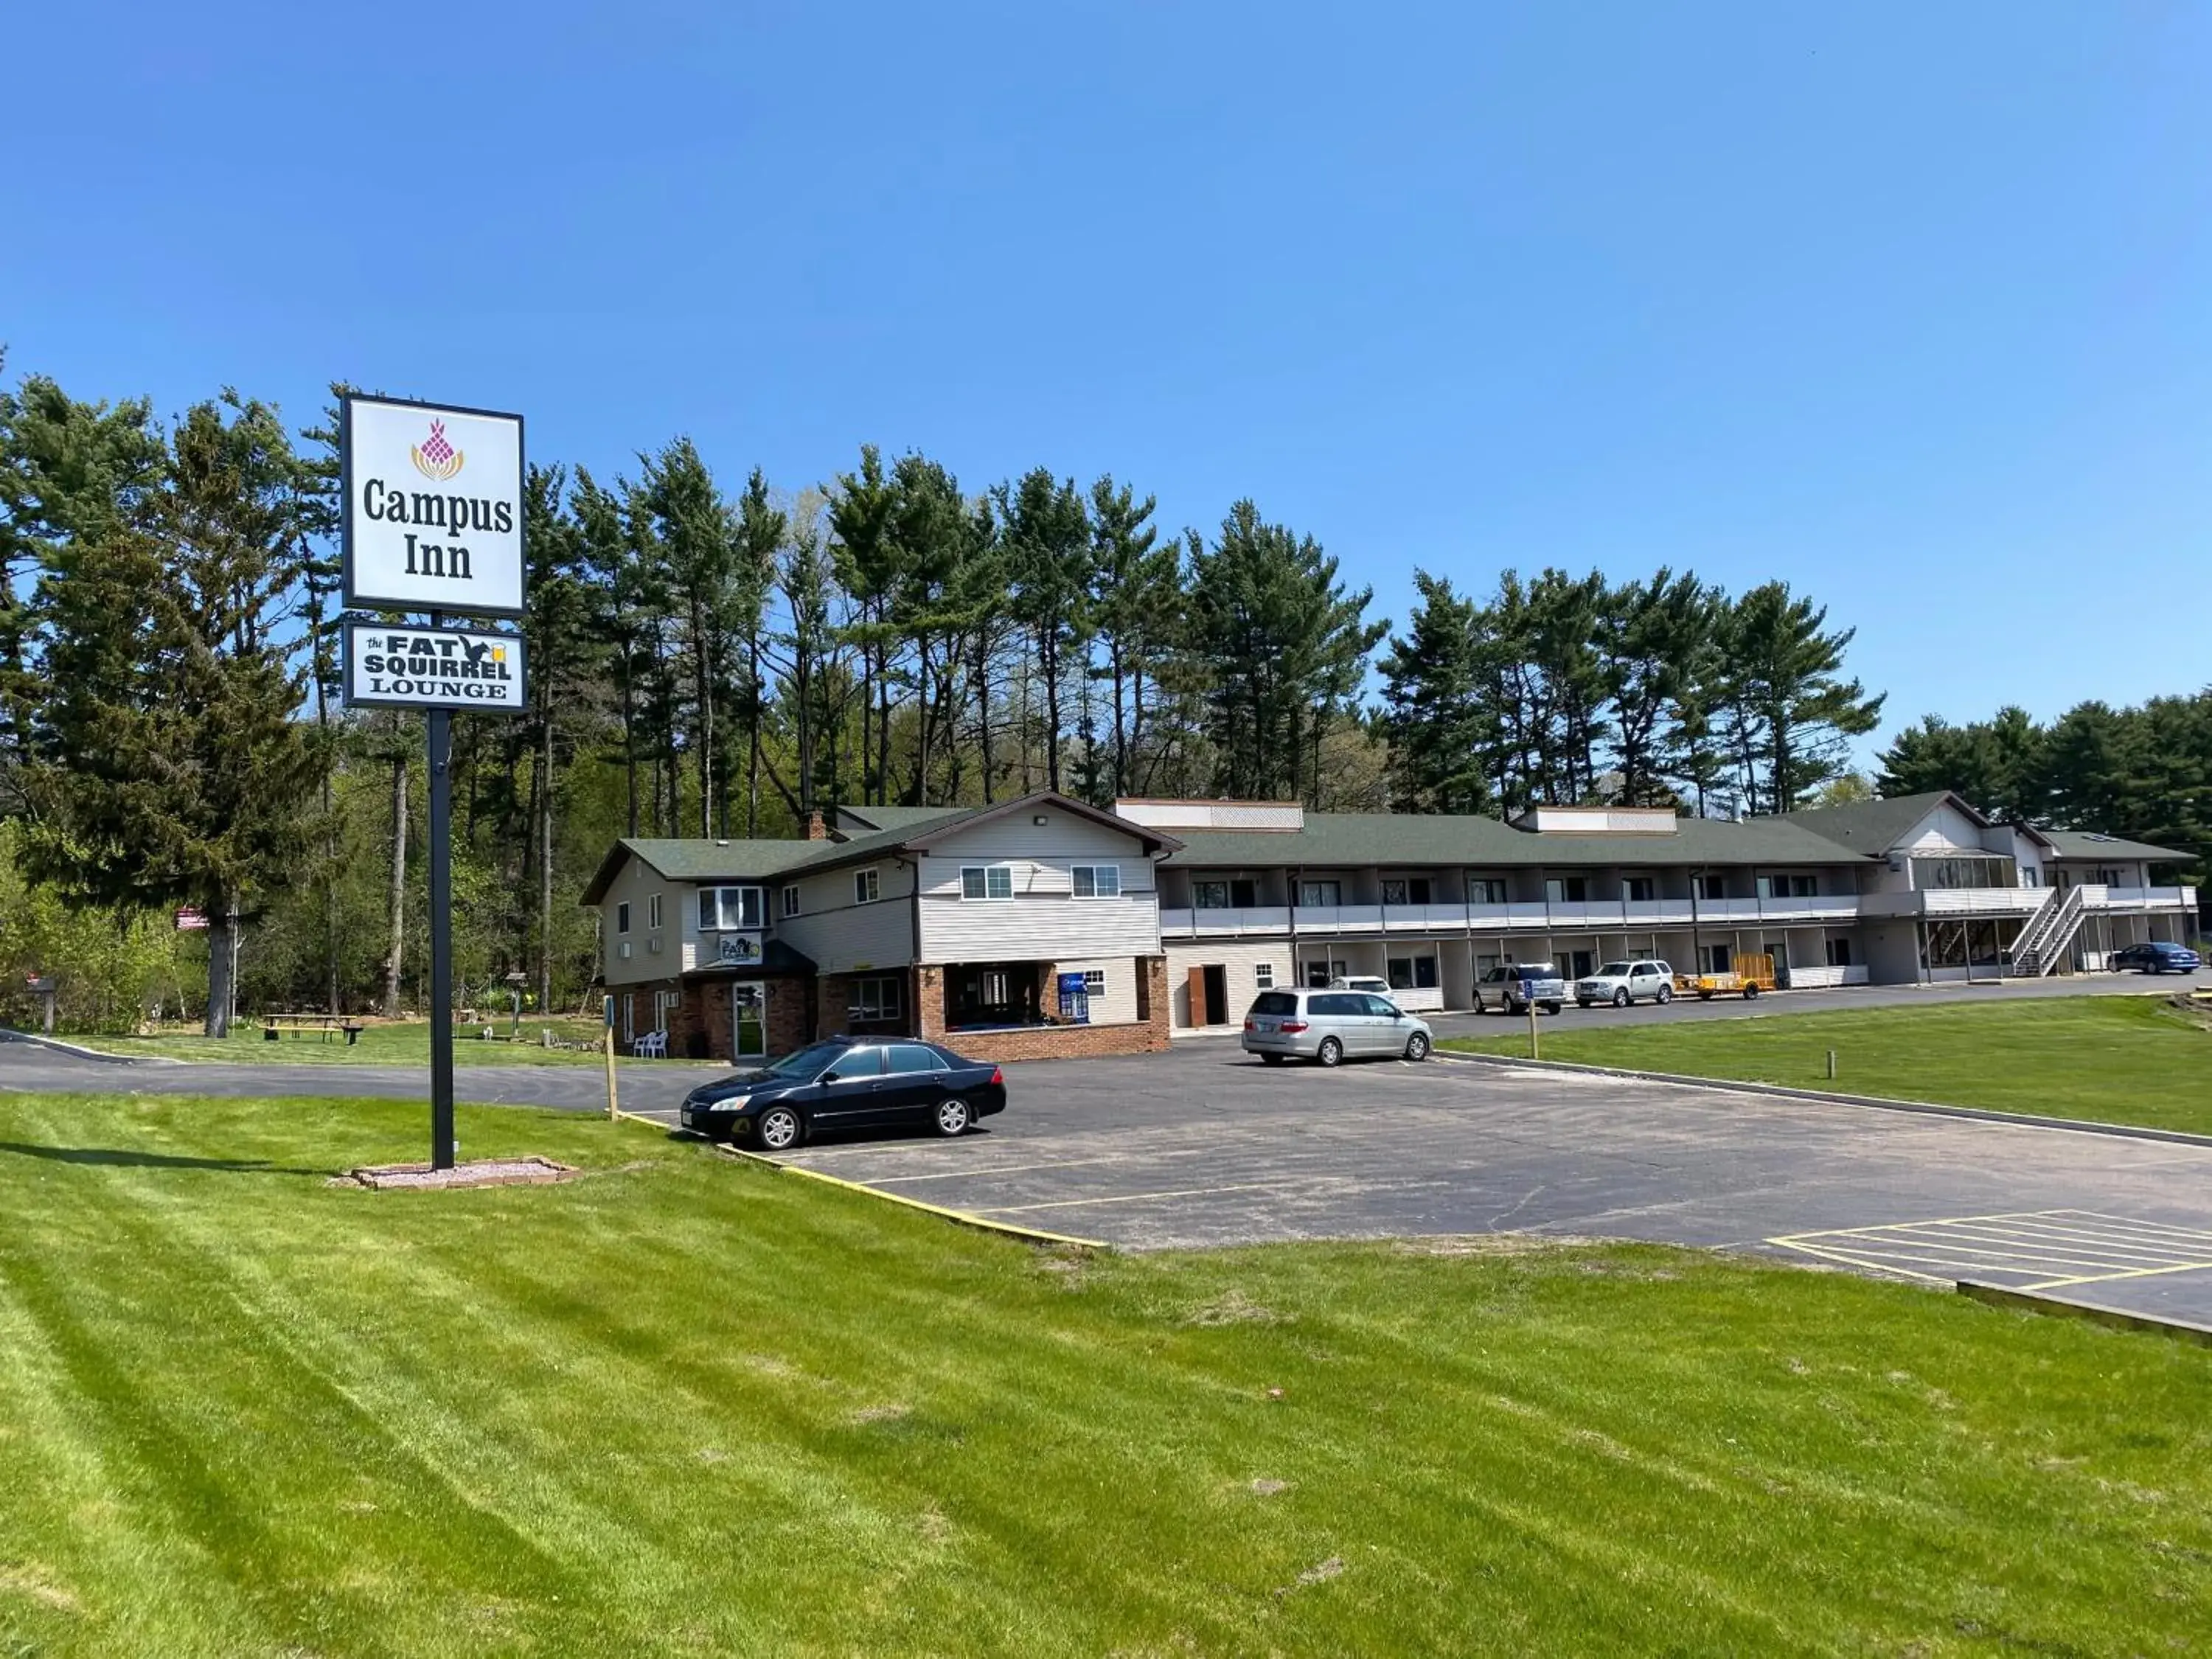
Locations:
{"points": [[847, 1082]]}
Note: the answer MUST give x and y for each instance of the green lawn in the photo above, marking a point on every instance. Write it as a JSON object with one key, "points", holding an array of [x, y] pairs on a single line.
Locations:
{"points": [[379, 1045], [2116, 1059], [688, 1406]]}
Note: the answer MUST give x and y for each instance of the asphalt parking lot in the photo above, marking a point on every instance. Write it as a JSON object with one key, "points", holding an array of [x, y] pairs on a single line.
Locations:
{"points": [[1203, 1146]]}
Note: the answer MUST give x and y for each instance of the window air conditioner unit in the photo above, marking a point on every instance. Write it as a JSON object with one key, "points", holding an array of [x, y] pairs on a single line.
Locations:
{"points": [[623, 950], [653, 946]]}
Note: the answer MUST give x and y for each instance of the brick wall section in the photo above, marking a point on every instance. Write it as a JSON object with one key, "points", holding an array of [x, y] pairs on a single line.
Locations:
{"points": [[699, 1024], [1145, 1037]]}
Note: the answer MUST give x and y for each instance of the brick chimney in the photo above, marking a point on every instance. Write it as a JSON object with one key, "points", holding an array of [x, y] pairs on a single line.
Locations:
{"points": [[815, 829]]}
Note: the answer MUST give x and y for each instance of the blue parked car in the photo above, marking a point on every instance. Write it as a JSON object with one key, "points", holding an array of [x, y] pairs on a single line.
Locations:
{"points": [[2160, 956]]}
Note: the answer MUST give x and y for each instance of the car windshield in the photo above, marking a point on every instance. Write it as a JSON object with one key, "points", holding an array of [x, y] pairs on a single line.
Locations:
{"points": [[807, 1061], [1613, 968]]}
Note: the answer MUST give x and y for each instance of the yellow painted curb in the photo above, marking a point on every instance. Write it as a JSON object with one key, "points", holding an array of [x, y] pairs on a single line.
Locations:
{"points": [[958, 1218]]}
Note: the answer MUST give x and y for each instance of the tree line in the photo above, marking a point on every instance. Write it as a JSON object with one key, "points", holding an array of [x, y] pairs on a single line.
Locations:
{"points": [[712, 655], [2144, 773]]}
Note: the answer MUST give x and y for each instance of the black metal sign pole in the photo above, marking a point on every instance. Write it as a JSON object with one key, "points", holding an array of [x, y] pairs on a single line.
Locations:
{"points": [[442, 933]]}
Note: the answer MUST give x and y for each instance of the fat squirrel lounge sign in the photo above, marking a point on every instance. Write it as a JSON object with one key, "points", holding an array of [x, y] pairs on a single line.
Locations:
{"points": [[390, 666]]}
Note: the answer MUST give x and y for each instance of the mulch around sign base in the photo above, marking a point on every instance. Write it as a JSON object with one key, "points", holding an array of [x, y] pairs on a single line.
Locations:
{"points": [[484, 1172]]}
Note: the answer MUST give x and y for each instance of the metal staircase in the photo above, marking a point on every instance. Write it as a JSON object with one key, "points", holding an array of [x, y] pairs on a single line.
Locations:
{"points": [[2047, 934]]}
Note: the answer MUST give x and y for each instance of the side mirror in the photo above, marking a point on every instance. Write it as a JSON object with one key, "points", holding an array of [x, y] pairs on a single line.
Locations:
{"points": [[826, 1077]]}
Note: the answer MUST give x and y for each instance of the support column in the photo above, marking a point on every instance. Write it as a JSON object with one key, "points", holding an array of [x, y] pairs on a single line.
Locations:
{"points": [[440, 722]]}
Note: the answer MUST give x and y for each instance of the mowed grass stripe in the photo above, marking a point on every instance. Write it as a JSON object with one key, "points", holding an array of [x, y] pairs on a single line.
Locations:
{"points": [[2100, 1058], [712, 1411]]}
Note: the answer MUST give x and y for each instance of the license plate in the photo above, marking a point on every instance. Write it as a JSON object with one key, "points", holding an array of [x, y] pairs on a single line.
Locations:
{"points": [[1266, 1027]]}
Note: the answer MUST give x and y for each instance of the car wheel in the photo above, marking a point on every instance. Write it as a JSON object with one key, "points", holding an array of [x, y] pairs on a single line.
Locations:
{"points": [[1581, 1002], [780, 1129], [1621, 999], [1704, 996], [1663, 995], [953, 1117], [1551, 1007], [1271, 1060], [1417, 1046], [1331, 1052], [1750, 991]]}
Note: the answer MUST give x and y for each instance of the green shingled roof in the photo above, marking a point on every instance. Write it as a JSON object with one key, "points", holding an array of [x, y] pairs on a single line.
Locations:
{"points": [[1390, 839], [2087, 844], [1872, 827], [858, 820]]}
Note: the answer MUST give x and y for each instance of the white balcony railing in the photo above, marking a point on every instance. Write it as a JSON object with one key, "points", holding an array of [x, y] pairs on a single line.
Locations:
{"points": [[1826, 979], [1262, 921], [1982, 901], [2143, 898]]}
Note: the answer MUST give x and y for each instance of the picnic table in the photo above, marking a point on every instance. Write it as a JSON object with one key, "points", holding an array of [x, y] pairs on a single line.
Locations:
{"points": [[275, 1026]]}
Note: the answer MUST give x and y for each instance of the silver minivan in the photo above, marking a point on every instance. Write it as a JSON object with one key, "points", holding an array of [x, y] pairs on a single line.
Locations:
{"points": [[1332, 1026]]}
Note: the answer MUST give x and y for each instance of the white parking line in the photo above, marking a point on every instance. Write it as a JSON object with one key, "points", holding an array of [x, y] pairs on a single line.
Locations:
{"points": [[992, 1170], [2039, 1248]]}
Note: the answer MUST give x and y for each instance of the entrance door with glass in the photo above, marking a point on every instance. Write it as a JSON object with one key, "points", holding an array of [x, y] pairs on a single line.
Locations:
{"points": [[748, 1019]]}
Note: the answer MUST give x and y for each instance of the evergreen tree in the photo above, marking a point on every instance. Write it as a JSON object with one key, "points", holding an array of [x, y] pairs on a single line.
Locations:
{"points": [[1437, 721], [166, 765], [1794, 713]]}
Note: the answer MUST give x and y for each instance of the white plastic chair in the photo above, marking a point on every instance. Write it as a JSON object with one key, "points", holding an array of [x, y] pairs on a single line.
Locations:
{"points": [[654, 1045]]}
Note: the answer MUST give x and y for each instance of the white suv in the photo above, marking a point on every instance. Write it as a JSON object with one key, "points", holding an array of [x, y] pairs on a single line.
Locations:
{"points": [[1623, 983]]}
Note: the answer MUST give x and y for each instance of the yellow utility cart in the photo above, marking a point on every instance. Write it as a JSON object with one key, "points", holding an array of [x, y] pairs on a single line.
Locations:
{"points": [[1749, 976]]}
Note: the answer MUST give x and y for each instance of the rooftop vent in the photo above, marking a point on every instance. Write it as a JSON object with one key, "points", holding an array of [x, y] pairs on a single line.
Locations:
{"points": [[1599, 820], [1244, 815]]}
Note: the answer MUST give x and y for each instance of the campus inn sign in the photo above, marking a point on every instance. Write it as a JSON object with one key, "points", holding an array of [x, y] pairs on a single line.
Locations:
{"points": [[400, 665], [434, 507]]}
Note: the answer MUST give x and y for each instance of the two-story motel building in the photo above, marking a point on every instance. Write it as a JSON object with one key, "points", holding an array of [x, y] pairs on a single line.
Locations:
{"points": [[978, 924]]}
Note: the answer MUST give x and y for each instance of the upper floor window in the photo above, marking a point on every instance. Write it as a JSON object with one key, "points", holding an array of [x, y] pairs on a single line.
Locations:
{"points": [[1486, 890], [1567, 890], [1320, 894], [1941, 872], [1404, 890], [987, 881], [653, 910], [1097, 880], [867, 885], [1789, 886], [1638, 889], [621, 917], [1709, 887], [791, 900], [1235, 892], [722, 909]]}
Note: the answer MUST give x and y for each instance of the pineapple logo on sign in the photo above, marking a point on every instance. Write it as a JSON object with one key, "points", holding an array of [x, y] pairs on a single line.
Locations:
{"points": [[434, 458]]}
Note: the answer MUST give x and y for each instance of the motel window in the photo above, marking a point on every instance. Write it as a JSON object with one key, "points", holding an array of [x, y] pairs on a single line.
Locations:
{"points": [[1097, 880], [629, 1014], [1486, 890], [1567, 890], [987, 881], [1263, 976], [1638, 889], [1412, 973], [723, 909], [1318, 974], [1094, 981], [2113, 877], [1580, 964], [791, 900], [664, 1004], [1318, 894], [653, 910], [867, 885], [1788, 886], [1406, 890], [1717, 958], [872, 1000], [1839, 953], [621, 917], [1209, 895], [1710, 887]]}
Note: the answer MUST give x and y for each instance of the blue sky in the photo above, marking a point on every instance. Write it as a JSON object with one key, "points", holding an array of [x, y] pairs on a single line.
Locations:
{"points": [[1909, 306]]}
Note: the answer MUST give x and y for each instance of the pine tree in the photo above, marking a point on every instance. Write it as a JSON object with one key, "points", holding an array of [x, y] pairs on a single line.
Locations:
{"points": [[166, 766]]}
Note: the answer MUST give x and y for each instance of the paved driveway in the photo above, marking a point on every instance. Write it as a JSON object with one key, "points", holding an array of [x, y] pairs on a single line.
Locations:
{"points": [[1203, 1146]]}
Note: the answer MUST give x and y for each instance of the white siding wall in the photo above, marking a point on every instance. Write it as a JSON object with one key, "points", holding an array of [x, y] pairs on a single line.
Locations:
{"points": [[841, 936], [1944, 829], [1238, 958], [635, 885], [1117, 1005], [1041, 922]]}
